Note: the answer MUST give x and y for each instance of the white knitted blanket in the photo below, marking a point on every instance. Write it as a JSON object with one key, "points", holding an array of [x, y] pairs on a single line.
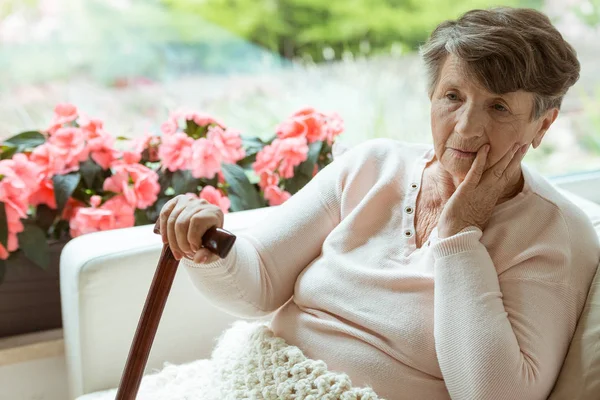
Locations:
{"points": [[249, 362]]}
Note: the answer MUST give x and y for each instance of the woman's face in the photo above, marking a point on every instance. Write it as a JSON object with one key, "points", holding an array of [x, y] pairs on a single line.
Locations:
{"points": [[464, 117]]}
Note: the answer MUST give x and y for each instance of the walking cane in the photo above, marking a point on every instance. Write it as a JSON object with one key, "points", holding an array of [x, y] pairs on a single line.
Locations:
{"points": [[218, 241]]}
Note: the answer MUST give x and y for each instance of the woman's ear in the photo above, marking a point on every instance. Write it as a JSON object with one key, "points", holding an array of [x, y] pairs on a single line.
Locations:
{"points": [[547, 121]]}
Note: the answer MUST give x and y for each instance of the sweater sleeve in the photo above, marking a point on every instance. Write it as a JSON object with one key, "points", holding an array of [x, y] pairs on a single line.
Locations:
{"points": [[499, 338], [259, 274]]}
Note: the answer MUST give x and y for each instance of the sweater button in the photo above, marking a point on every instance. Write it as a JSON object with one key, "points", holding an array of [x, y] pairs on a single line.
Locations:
{"points": [[409, 210], [408, 233], [413, 186]]}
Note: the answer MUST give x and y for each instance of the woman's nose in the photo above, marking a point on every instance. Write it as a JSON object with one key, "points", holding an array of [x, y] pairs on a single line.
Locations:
{"points": [[471, 122]]}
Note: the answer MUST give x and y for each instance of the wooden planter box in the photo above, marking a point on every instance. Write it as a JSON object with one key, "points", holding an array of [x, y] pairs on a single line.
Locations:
{"points": [[30, 296]]}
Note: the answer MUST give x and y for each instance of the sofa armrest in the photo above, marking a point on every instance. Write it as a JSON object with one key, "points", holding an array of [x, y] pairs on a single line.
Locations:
{"points": [[104, 281]]}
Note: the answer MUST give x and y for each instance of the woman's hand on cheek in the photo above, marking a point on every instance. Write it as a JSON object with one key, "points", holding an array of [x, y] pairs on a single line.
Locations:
{"points": [[475, 198]]}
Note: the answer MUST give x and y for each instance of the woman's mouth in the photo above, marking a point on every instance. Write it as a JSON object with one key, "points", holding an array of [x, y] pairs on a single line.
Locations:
{"points": [[462, 154]]}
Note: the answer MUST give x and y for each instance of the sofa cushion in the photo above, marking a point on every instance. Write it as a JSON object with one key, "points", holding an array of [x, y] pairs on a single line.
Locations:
{"points": [[579, 378]]}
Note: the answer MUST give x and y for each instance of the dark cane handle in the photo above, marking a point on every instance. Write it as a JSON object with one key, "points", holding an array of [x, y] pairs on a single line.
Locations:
{"points": [[217, 240]]}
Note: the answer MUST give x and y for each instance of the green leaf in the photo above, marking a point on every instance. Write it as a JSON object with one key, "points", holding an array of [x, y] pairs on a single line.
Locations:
{"points": [[7, 150], [141, 217], [64, 186], [242, 193], [45, 216], [3, 226], [26, 140], [2, 270], [303, 173], [122, 138], [184, 182], [90, 172], [34, 244]]}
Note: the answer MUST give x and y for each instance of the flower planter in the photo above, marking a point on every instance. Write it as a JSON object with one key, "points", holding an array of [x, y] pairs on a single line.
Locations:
{"points": [[29, 295]]}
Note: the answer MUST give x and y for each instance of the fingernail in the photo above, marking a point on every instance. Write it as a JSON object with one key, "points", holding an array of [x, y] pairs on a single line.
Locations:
{"points": [[190, 255], [524, 149], [194, 248], [203, 260]]}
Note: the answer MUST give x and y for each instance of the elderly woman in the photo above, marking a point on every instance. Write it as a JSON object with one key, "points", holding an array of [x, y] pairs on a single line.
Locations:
{"points": [[440, 272]]}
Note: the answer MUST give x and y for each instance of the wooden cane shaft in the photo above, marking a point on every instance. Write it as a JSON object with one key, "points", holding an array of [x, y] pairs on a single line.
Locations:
{"points": [[218, 241]]}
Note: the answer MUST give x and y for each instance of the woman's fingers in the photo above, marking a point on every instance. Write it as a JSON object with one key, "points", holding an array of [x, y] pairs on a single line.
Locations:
{"points": [[200, 222], [164, 216], [514, 164], [496, 171], [478, 167]]}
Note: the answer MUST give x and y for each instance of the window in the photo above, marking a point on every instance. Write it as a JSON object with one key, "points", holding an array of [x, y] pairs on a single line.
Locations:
{"points": [[253, 62]]}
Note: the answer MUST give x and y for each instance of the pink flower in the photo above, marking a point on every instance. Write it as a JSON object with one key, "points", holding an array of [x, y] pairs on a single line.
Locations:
{"points": [[268, 179], [122, 211], [14, 227], [50, 159], [91, 126], [214, 196], [138, 183], [115, 213], [13, 191], [69, 145], [44, 194], [206, 159], [275, 195], [29, 172], [306, 122], [169, 127], [175, 152], [131, 157], [101, 147], [64, 113], [91, 219], [267, 159], [292, 152], [311, 124], [228, 142]]}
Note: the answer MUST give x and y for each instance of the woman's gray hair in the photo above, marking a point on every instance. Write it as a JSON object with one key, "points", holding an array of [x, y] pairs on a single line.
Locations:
{"points": [[506, 49]]}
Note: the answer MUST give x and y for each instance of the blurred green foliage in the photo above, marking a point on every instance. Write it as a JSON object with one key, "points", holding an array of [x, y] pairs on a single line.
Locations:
{"points": [[301, 28]]}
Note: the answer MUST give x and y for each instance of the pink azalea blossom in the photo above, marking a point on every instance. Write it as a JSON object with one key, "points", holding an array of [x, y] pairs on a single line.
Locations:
{"points": [[71, 208], [122, 211], [100, 144], [275, 195], [50, 159], [69, 145], [228, 142], [138, 183], [131, 157], [206, 159], [292, 152], [268, 179], [13, 191], [214, 196], [44, 194], [169, 127], [267, 159], [65, 113], [29, 172], [15, 226], [115, 213], [175, 152], [311, 124]]}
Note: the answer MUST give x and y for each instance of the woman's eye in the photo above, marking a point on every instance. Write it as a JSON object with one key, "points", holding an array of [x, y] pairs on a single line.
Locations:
{"points": [[499, 107], [452, 96]]}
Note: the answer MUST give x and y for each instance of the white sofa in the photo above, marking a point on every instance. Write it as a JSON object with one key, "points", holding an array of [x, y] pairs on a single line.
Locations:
{"points": [[105, 278]]}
